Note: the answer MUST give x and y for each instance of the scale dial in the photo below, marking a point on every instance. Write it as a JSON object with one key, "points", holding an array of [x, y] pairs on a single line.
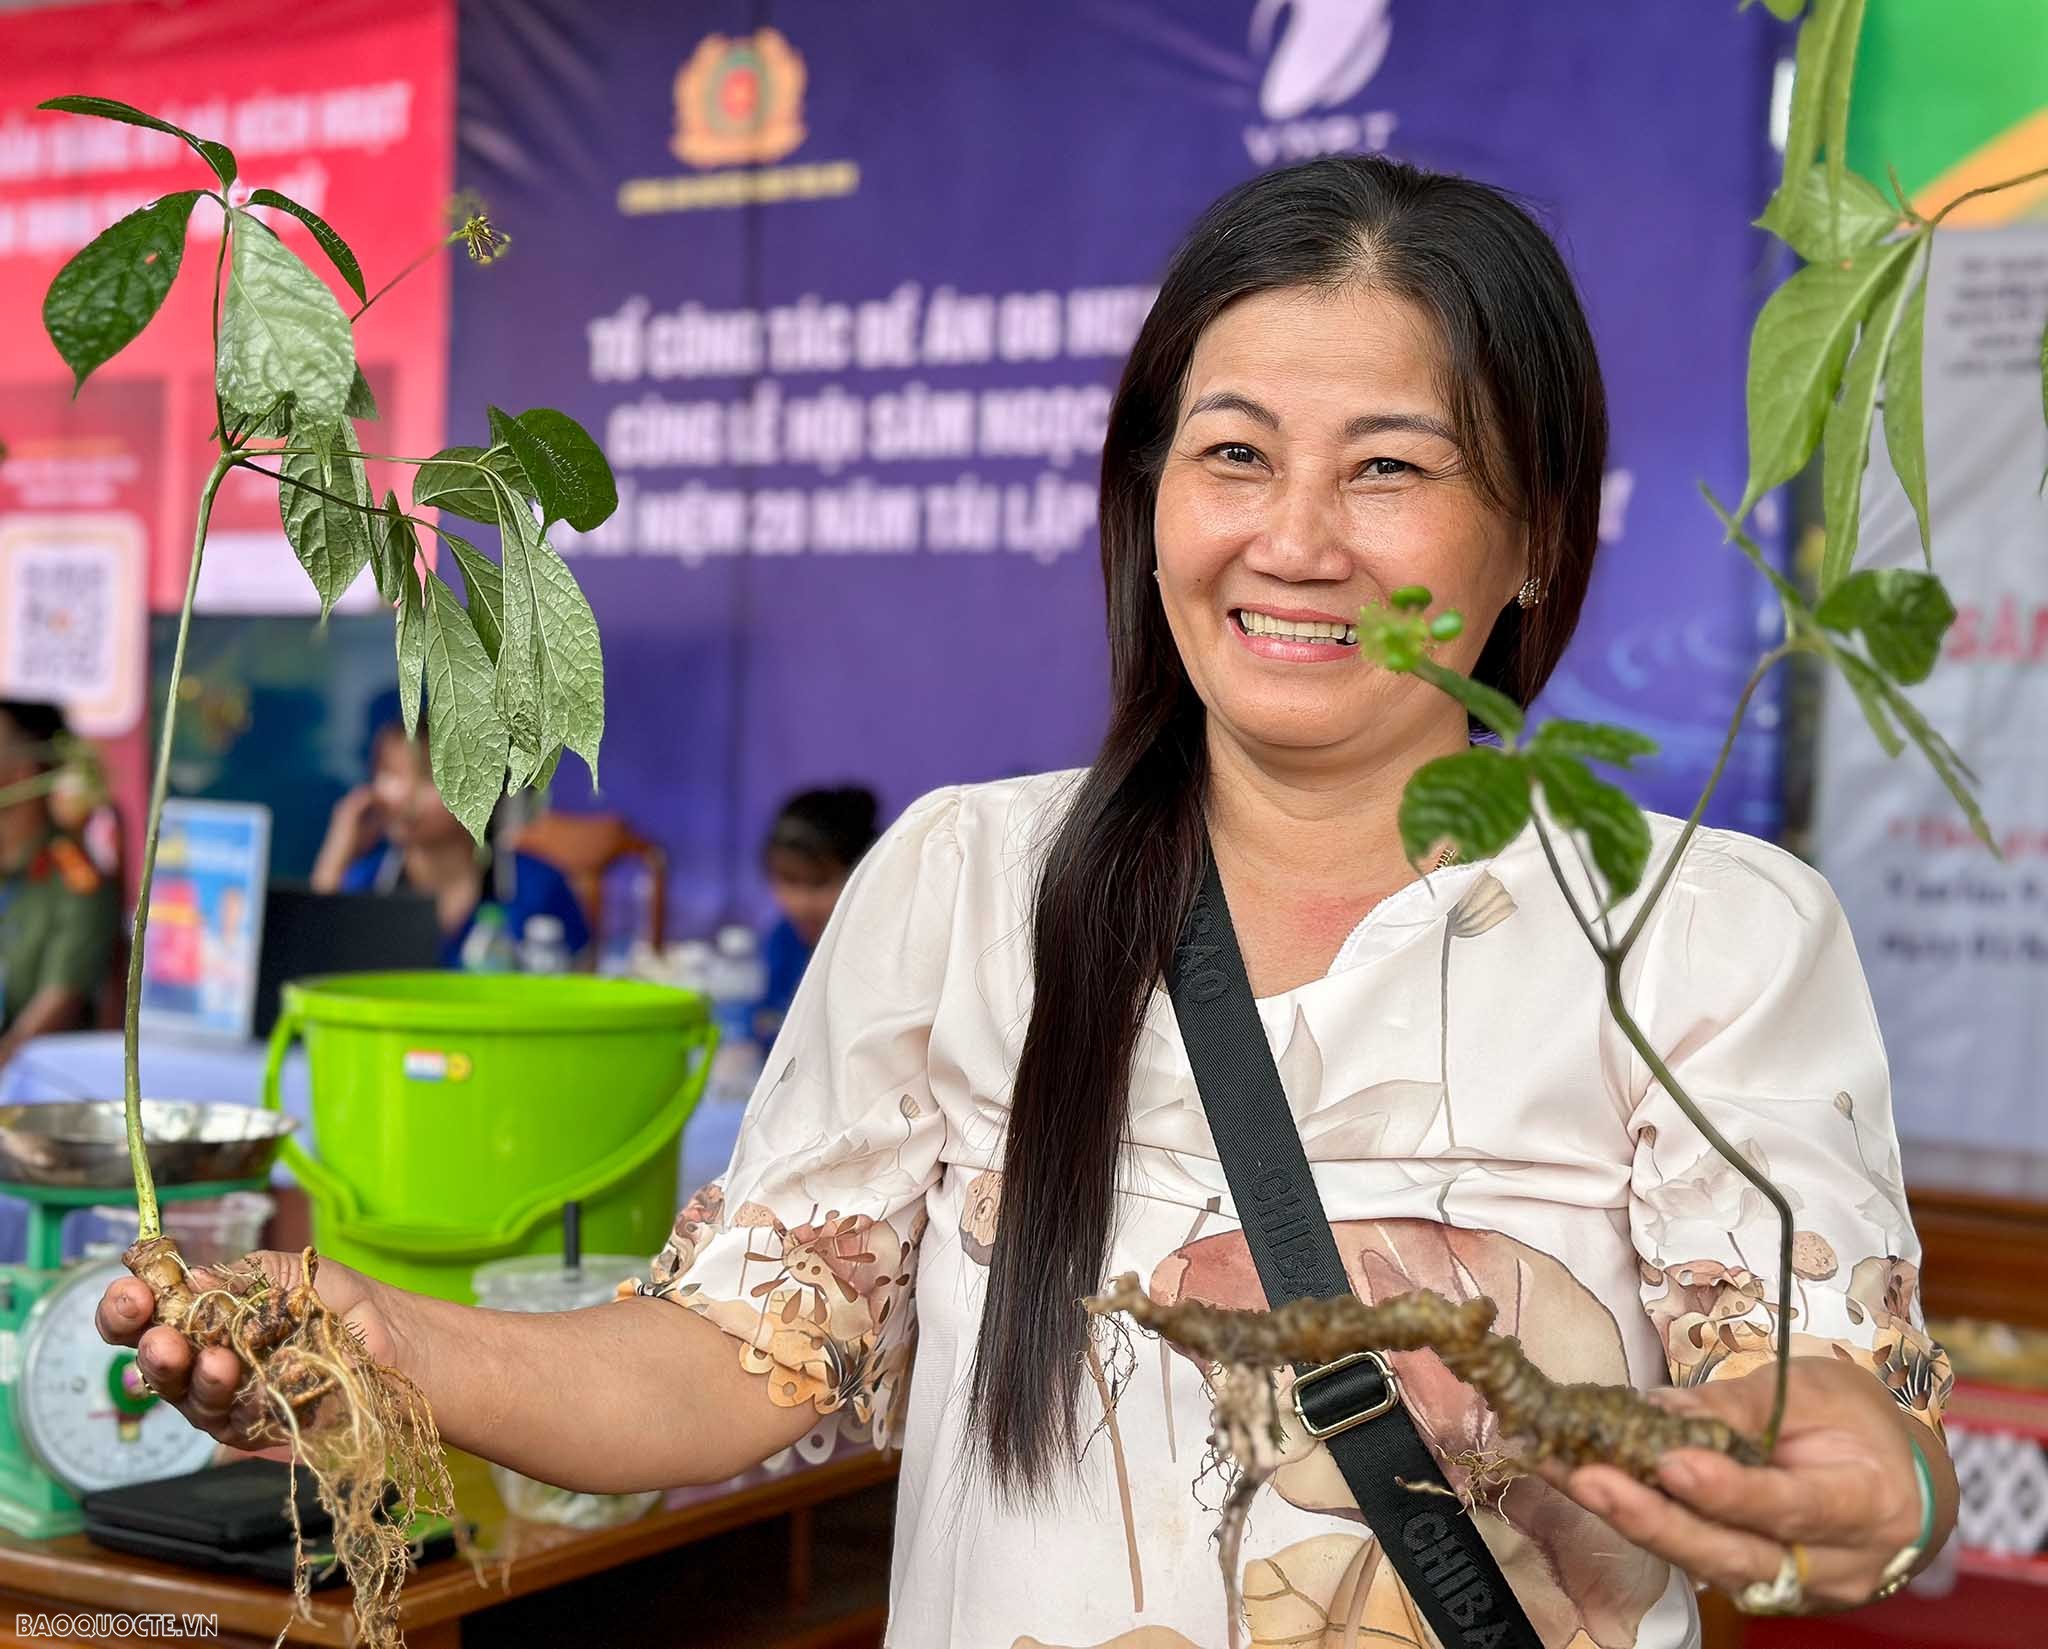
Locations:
{"points": [[80, 1404]]}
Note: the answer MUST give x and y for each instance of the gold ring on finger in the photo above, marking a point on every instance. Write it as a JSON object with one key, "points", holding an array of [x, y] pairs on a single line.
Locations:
{"points": [[1783, 1593]]}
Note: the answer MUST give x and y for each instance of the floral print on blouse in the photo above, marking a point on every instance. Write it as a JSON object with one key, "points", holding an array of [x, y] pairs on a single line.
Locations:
{"points": [[1476, 1125]]}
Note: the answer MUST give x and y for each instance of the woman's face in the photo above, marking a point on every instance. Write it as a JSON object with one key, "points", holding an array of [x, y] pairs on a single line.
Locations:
{"points": [[1313, 470], [806, 889]]}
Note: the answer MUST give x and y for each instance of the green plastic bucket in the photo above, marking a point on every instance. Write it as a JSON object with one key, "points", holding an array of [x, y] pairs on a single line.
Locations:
{"points": [[454, 1115]]}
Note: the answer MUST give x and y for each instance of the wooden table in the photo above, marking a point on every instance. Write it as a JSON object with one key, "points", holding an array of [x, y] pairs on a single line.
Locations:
{"points": [[797, 1560]]}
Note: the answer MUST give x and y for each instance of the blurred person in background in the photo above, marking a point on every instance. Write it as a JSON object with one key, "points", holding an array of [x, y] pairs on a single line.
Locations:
{"points": [[58, 913], [394, 833], [816, 840]]}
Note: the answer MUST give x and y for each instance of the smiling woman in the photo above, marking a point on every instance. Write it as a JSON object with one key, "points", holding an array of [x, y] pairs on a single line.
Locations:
{"points": [[1357, 379]]}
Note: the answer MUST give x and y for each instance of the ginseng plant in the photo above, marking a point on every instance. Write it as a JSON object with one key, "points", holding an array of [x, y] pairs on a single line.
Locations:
{"points": [[1842, 334], [514, 676]]}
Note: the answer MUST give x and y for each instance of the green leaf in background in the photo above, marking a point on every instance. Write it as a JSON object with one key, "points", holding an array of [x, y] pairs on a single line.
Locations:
{"points": [[281, 331], [109, 292], [217, 155], [568, 471], [332, 244], [454, 479], [467, 744], [1598, 741], [332, 540], [1824, 67], [486, 587], [1478, 800], [550, 667], [412, 650], [1824, 230], [360, 403], [1872, 688], [1495, 710], [1901, 614], [1796, 356], [394, 547], [1867, 684], [1786, 11], [1905, 432], [1845, 450], [1614, 827]]}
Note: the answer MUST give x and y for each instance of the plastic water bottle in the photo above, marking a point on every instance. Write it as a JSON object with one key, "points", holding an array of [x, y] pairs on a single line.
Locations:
{"points": [[544, 945], [488, 948], [738, 977]]}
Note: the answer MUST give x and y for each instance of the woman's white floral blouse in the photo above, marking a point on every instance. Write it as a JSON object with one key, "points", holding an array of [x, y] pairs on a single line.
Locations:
{"points": [[1477, 1125]]}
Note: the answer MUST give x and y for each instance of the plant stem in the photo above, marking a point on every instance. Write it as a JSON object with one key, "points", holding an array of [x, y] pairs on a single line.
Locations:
{"points": [[29, 789], [448, 240], [1742, 1165], [150, 1222], [1990, 189], [1765, 665]]}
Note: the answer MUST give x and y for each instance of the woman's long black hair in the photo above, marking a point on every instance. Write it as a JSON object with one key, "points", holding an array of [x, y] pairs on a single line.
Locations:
{"points": [[1524, 392]]}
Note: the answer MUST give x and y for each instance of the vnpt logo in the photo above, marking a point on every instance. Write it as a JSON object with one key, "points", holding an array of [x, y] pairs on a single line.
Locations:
{"points": [[1319, 54], [739, 102]]}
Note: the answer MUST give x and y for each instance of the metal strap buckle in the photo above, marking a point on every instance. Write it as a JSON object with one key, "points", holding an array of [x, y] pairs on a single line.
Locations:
{"points": [[1389, 1398]]}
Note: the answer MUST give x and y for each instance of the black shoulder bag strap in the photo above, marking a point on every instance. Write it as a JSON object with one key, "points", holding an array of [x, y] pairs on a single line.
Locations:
{"points": [[1352, 1405]]}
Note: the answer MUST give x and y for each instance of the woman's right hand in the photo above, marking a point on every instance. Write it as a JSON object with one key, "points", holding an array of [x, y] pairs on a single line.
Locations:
{"points": [[203, 1389]]}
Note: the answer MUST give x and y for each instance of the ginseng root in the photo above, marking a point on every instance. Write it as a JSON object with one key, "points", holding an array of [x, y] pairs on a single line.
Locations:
{"points": [[361, 1428], [1571, 1425]]}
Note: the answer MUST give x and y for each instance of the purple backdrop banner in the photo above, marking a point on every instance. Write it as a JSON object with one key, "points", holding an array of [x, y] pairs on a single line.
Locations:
{"points": [[843, 290]]}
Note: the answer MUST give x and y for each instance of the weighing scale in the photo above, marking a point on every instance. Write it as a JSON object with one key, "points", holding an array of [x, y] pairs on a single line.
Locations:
{"points": [[74, 1415]]}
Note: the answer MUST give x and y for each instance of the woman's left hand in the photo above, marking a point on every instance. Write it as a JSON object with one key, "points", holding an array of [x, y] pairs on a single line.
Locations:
{"points": [[1842, 1484]]}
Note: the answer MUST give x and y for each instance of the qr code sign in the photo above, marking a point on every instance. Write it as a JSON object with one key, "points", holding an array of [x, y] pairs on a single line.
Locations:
{"points": [[70, 613], [65, 630]]}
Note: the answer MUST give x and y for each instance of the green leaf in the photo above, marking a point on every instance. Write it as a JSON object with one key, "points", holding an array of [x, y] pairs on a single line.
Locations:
{"points": [[569, 473], [281, 332], [1478, 800], [1905, 432], [550, 666], [467, 743], [393, 550], [332, 244], [332, 540], [1871, 689], [1614, 827], [1867, 684], [1823, 229], [1901, 614], [1845, 452], [1796, 354], [486, 587], [412, 649], [1785, 11], [454, 479], [1598, 741], [1824, 67], [530, 770], [1495, 710], [217, 155], [360, 403], [109, 292]]}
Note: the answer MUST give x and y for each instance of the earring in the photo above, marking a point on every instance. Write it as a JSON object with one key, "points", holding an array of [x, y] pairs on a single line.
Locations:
{"points": [[1531, 592], [1155, 575]]}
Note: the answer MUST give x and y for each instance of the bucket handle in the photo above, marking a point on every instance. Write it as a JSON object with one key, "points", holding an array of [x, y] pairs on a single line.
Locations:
{"points": [[439, 1242]]}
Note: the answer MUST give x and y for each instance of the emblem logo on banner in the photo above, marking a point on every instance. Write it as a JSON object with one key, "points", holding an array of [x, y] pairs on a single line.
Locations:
{"points": [[739, 102], [1323, 57]]}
